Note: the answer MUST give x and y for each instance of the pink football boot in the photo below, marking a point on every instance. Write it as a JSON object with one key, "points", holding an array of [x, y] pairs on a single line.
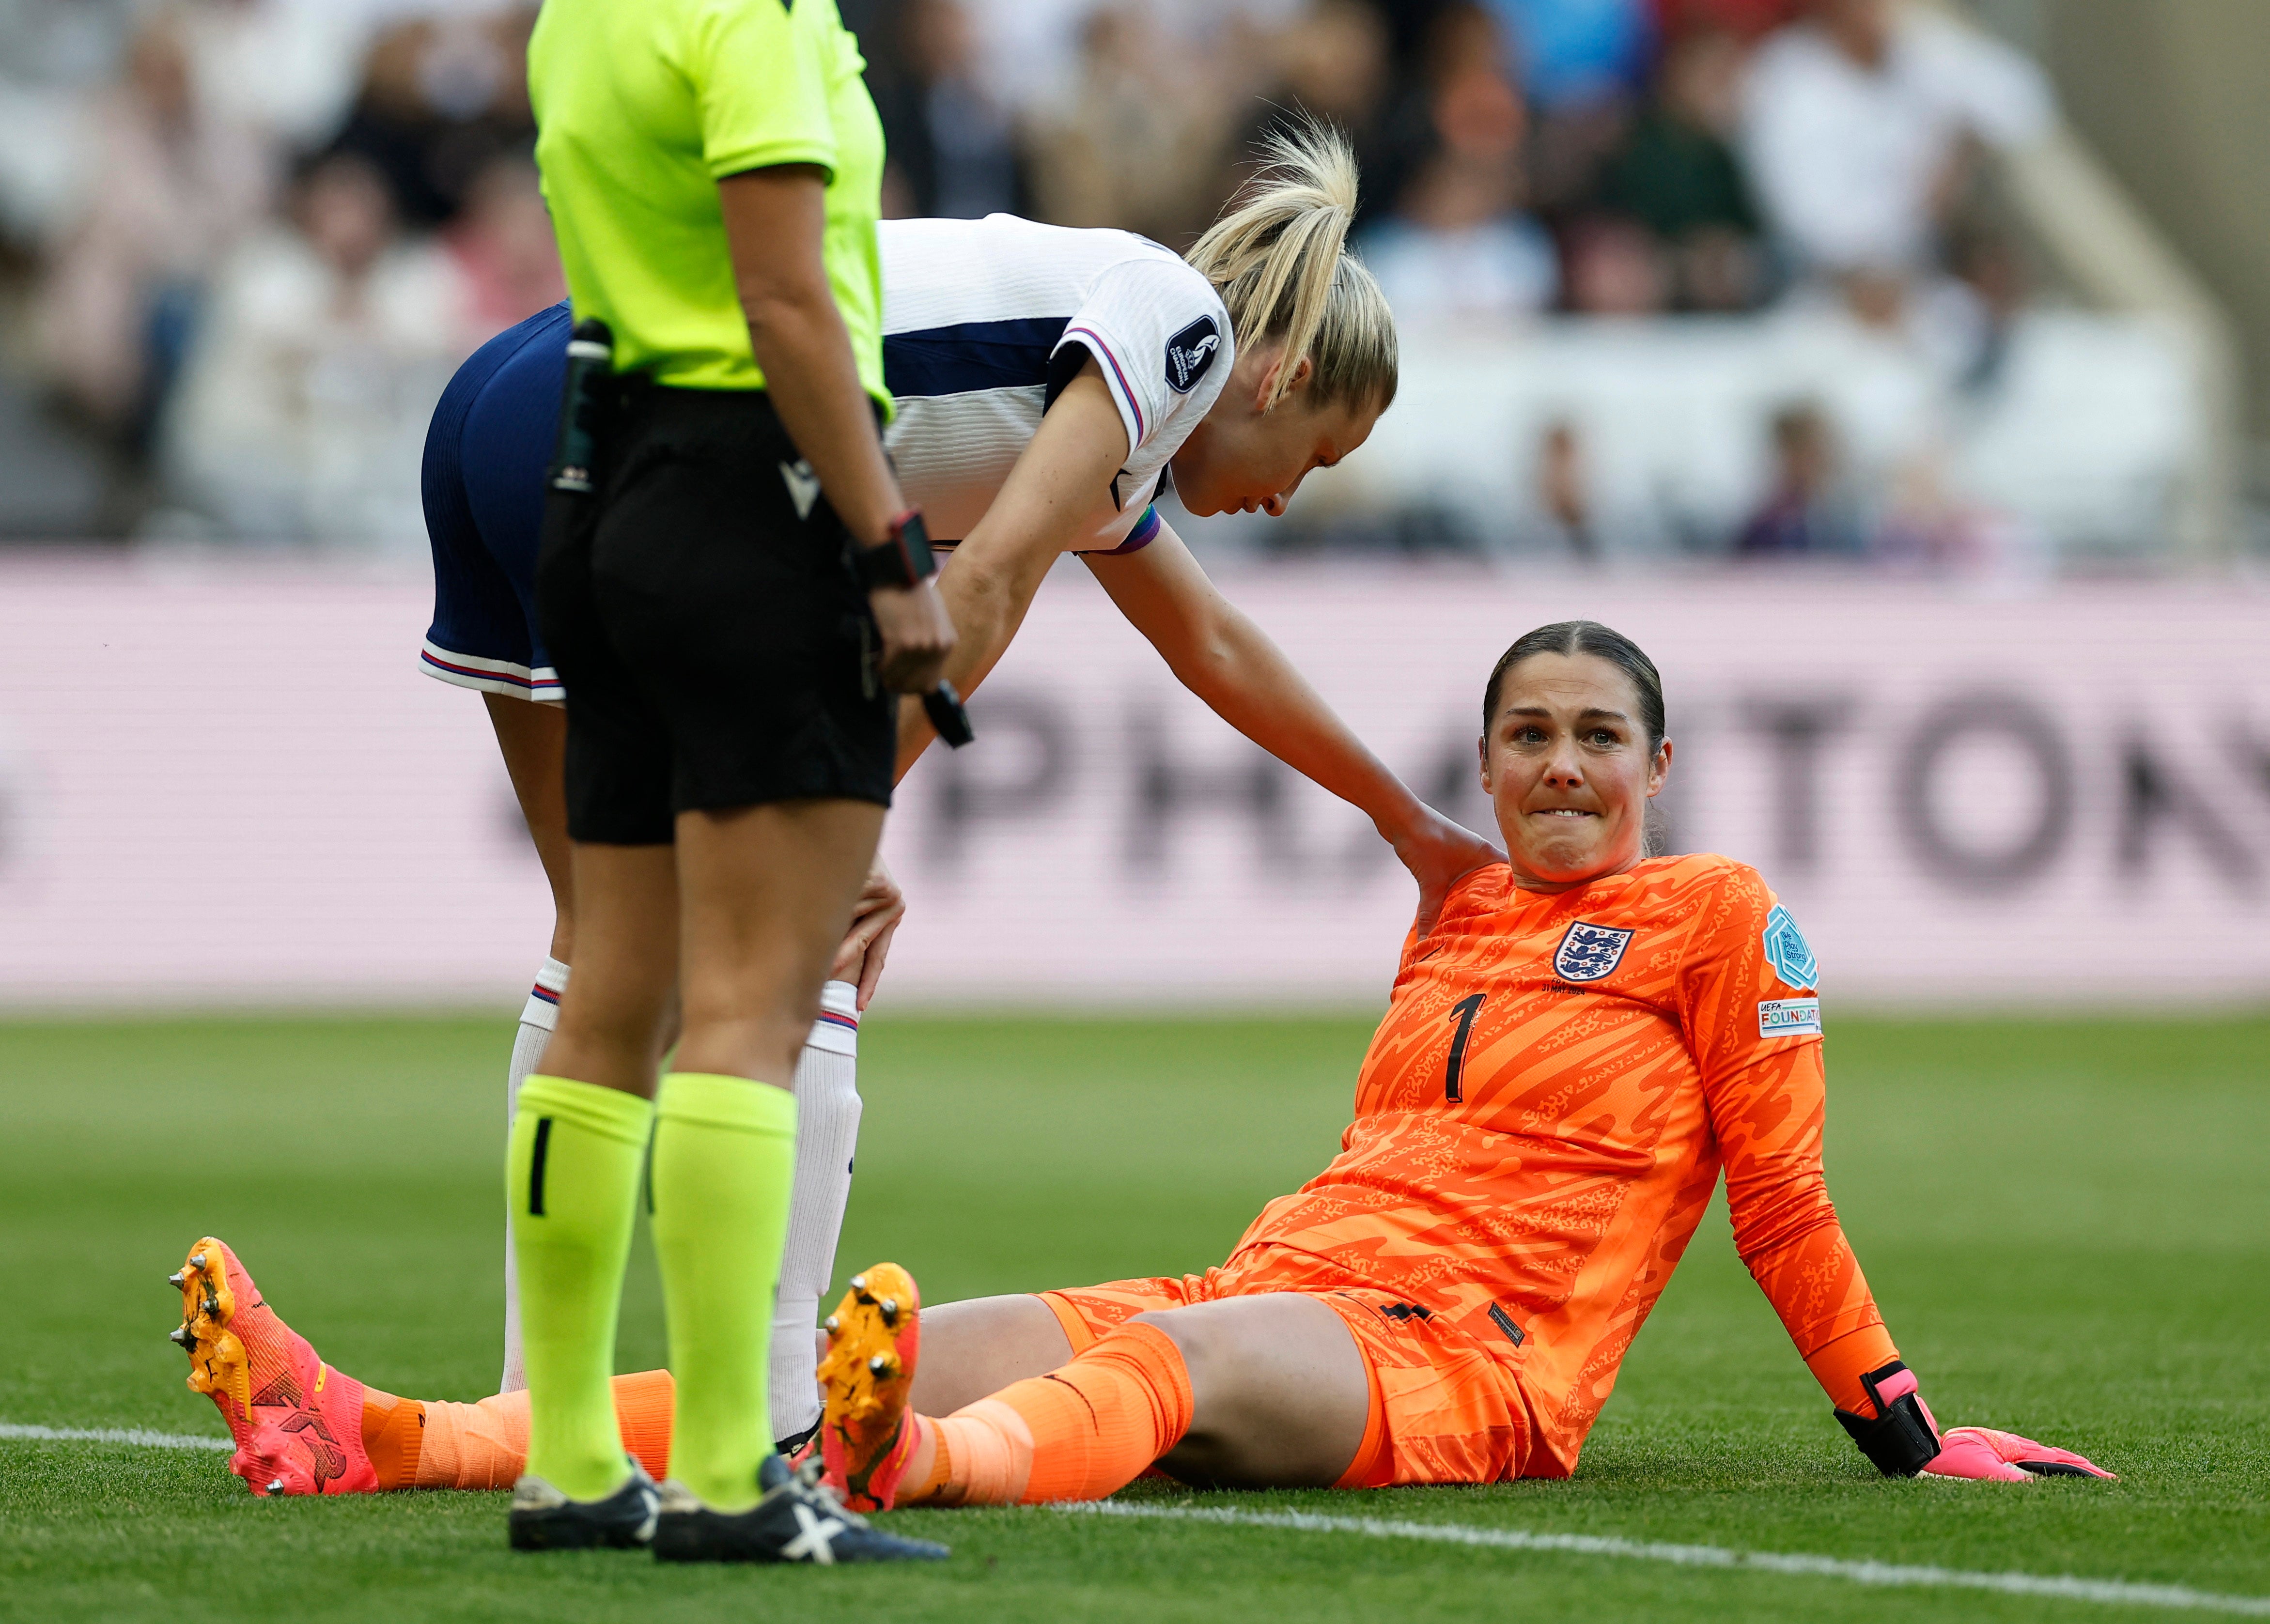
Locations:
{"points": [[297, 1422]]}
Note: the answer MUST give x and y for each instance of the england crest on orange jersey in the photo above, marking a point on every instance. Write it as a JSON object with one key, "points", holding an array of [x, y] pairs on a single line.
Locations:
{"points": [[1590, 952]]}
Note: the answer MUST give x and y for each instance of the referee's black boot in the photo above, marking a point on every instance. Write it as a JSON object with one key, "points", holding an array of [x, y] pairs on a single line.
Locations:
{"points": [[798, 1520], [544, 1519]]}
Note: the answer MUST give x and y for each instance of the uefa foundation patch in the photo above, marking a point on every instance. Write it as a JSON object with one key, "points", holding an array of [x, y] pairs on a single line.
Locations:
{"points": [[1789, 1018]]}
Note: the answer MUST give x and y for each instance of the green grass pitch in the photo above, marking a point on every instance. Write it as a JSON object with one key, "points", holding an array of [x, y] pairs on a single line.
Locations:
{"points": [[2068, 1225]]}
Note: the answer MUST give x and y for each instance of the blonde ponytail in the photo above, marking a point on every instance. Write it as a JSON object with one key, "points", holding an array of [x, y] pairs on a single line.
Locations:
{"points": [[1278, 257]]}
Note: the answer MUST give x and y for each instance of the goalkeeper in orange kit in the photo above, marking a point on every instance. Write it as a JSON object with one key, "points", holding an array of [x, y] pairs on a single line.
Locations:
{"points": [[1581, 1042], [1577, 1047]]}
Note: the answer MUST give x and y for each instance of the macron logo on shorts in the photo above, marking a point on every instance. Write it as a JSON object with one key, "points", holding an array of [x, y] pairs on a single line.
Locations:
{"points": [[803, 485], [1190, 352]]}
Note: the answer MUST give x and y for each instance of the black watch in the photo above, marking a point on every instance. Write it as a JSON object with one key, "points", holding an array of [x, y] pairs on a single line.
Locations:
{"points": [[904, 560]]}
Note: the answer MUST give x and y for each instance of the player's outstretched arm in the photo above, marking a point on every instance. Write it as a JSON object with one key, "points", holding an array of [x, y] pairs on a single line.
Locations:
{"points": [[1762, 1069], [1219, 654], [1051, 496]]}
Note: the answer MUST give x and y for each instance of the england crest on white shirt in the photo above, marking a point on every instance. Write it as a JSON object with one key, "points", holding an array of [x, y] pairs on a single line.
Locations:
{"points": [[1590, 952]]}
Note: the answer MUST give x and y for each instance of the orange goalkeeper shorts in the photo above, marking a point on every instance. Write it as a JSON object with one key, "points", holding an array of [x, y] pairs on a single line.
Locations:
{"points": [[1442, 1410]]}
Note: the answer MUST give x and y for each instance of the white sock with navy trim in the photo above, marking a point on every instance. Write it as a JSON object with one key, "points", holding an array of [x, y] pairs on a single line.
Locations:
{"points": [[826, 1138], [538, 1017]]}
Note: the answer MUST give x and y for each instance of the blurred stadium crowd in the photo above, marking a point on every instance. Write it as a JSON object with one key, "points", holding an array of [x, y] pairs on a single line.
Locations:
{"points": [[243, 242]]}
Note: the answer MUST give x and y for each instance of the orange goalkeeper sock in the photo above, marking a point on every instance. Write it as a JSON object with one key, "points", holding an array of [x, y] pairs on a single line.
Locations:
{"points": [[436, 1445], [393, 1435], [1081, 1432], [645, 1402]]}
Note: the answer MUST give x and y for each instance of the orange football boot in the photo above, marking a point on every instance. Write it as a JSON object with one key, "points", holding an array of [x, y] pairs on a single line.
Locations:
{"points": [[865, 1433], [297, 1422]]}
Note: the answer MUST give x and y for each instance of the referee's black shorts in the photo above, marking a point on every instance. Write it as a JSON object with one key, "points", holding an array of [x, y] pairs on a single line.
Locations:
{"points": [[717, 649]]}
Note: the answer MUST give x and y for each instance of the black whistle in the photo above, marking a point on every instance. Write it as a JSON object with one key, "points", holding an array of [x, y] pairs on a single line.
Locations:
{"points": [[582, 406], [943, 706]]}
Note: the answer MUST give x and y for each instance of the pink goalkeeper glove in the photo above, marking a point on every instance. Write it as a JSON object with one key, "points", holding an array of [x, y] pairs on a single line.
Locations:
{"points": [[1903, 1438], [2005, 1457]]}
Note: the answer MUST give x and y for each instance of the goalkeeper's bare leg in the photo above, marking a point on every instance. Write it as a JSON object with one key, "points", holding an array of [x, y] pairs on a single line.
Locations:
{"points": [[1269, 1389]]}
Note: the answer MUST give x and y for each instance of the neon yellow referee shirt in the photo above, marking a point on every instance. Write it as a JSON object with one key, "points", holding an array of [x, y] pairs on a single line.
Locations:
{"points": [[642, 107]]}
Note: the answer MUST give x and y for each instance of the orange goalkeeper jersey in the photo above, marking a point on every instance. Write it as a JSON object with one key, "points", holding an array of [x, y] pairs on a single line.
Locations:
{"points": [[1544, 1113]]}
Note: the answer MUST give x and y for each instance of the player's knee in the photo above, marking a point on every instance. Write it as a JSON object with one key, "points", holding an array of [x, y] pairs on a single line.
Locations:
{"points": [[767, 1045], [1194, 1336]]}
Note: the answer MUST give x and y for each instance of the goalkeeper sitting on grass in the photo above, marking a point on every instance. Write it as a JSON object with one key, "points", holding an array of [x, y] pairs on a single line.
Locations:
{"points": [[1573, 1053]]}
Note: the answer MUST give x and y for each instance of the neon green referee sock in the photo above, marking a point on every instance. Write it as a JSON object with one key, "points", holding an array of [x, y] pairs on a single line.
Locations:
{"points": [[724, 1167], [571, 1183]]}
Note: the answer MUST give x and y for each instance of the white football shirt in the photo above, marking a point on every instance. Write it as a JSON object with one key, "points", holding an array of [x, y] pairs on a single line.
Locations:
{"points": [[983, 320]]}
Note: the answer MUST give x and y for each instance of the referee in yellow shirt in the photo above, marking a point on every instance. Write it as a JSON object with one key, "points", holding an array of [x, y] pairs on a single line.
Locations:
{"points": [[730, 606]]}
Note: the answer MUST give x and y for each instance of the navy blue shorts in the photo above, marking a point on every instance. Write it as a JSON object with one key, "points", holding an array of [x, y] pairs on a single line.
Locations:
{"points": [[491, 440]]}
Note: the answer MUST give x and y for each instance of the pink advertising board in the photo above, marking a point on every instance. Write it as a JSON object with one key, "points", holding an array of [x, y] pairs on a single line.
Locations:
{"points": [[229, 783]]}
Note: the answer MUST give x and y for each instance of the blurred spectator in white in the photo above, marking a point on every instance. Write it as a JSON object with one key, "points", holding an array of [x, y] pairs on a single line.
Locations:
{"points": [[1031, 53], [1137, 144], [180, 186], [1677, 175], [1809, 511], [62, 42], [302, 411], [1458, 248], [505, 252], [54, 55], [953, 151], [1857, 124], [287, 68], [1027, 52]]}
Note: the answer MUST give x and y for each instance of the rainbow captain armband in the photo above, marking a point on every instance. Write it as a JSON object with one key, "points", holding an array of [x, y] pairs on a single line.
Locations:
{"points": [[1902, 1439], [1144, 531]]}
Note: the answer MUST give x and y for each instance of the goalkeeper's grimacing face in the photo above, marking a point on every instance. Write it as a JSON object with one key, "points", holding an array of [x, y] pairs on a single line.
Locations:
{"points": [[1567, 767]]}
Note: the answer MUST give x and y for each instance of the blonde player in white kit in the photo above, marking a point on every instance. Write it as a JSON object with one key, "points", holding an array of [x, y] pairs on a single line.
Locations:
{"points": [[1048, 382]]}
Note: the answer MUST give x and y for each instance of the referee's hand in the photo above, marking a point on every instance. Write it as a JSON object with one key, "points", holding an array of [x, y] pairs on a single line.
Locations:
{"points": [[917, 635]]}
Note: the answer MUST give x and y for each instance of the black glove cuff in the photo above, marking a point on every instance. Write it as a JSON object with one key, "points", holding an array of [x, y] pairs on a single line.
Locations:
{"points": [[1900, 1439], [903, 561]]}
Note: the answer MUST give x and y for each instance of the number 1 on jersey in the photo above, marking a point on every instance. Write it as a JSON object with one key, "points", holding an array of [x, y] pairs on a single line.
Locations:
{"points": [[1465, 1008]]}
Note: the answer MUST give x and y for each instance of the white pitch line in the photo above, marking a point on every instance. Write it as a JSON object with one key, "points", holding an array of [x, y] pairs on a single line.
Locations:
{"points": [[114, 1434], [2117, 1592], [2112, 1592]]}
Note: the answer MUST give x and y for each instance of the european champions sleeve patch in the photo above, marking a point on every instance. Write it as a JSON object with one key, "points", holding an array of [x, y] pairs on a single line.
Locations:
{"points": [[1788, 952], [1190, 352]]}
